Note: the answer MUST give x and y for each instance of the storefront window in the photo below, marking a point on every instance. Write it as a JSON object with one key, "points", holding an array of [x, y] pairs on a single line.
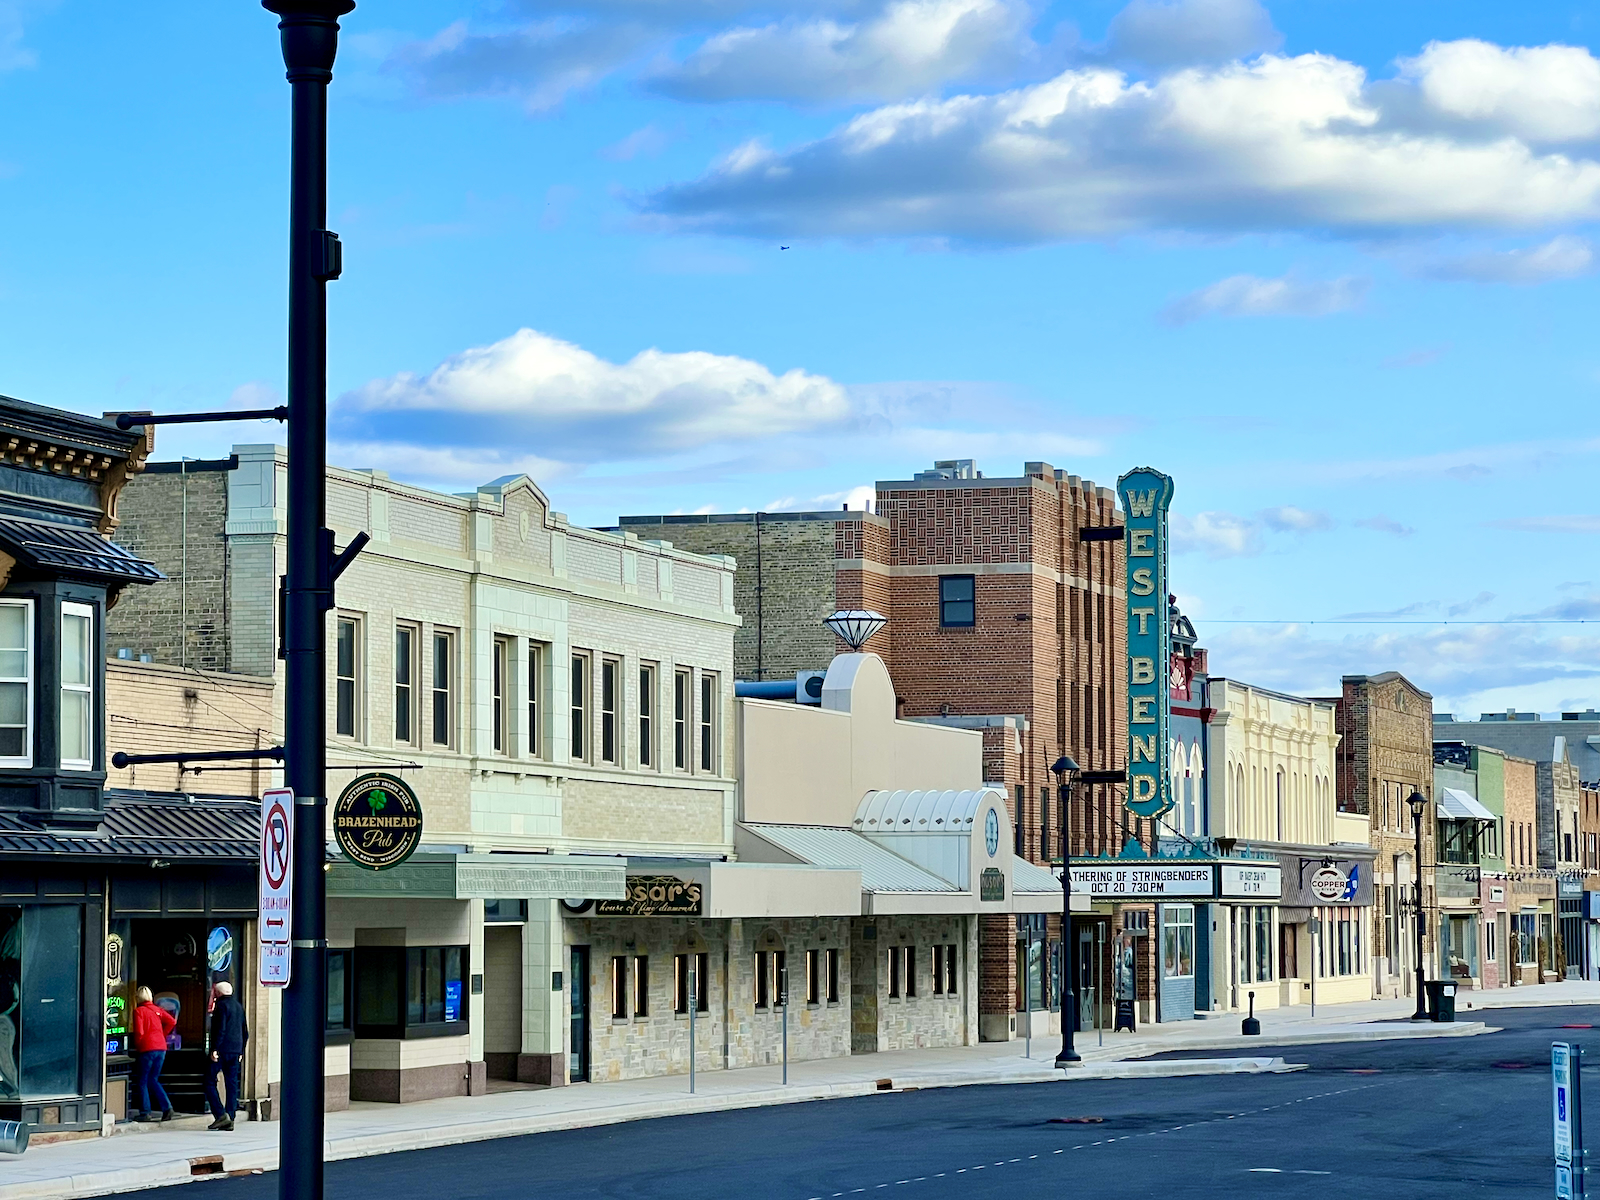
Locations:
{"points": [[423, 982], [41, 956], [1177, 921], [1263, 944]]}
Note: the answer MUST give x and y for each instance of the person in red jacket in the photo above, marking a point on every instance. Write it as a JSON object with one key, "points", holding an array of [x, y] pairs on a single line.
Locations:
{"points": [[151, 1024]]}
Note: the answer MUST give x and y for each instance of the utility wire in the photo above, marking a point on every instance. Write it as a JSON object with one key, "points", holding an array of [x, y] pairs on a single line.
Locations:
{"points": [[1398, 621]]}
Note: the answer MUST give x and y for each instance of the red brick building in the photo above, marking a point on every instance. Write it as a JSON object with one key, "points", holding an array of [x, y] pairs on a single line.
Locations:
{"points": [[1002, 617]]}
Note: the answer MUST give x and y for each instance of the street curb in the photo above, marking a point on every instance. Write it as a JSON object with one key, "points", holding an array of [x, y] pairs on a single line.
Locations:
{"points": [[129, 1179], [1400, 1032]]}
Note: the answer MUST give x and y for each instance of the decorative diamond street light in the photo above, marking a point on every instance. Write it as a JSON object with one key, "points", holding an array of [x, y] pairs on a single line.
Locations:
{"points": [[856, 625]]}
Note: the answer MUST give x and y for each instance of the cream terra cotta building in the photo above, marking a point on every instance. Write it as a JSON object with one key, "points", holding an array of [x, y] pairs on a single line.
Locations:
{"points": [[1272, 765]]}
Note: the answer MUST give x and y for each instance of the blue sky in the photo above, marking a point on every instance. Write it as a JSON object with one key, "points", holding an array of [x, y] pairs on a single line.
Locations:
{"points": [[1328, 264]]}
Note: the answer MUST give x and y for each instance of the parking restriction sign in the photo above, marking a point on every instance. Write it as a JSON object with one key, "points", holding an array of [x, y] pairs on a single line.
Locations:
{"points": [[277, 883]]}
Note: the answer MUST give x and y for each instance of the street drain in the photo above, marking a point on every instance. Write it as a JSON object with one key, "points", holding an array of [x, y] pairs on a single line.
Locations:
{"points": [[210, 1164], [1076, 1121], [885, 1084]]}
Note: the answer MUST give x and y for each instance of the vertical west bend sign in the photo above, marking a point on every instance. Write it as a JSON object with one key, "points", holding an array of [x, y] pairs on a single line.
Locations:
{"points": [[1146, 495]]}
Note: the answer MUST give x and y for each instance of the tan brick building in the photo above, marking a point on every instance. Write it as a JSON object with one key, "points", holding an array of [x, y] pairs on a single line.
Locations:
{"points": [[1530, 887], [1002, 618], [1385, 753]]}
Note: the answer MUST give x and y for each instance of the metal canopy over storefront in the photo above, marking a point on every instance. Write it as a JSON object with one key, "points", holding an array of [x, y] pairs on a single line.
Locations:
{"points": [[435, 876]]}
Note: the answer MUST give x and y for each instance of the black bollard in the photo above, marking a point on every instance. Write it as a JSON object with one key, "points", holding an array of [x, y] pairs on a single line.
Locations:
{"points": [[1251, 1027]]}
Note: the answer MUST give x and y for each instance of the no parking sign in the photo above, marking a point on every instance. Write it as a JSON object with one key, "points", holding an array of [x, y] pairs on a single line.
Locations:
{"points": [[277, 882]]}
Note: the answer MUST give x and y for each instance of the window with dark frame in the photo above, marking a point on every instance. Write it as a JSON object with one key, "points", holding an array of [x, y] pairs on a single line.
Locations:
{"points": [[938, 970], [708, 723], [610, 669], [831, 962], [341, 991], [405, 673], [647, 712], [641, 986], [763, 980], [409, 991], [813, 976], [894, 972], [680, 720], [957, 601], [502, 651], [443, 673], [346, 654], [536, 660], [580, 708], [950, 975], [910, 953], [619, 988], [680, 984]]}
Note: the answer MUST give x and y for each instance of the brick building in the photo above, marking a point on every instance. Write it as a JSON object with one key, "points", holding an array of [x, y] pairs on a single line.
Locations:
{"points": [[1002, 618], [1530, 897], [1385, 753]]}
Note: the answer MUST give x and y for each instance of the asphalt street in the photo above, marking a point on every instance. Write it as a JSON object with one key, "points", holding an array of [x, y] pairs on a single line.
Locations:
{"points": [[1448, 1118]]}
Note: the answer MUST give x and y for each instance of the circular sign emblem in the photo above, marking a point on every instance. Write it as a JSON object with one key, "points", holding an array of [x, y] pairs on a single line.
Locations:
{"points": [[991, 832], [1327, 884], [377, 822], [275, 843]]}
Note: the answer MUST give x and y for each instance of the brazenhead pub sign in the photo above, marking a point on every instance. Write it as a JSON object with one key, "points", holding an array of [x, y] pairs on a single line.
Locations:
{"points": [[654, 896], [377, 821]]}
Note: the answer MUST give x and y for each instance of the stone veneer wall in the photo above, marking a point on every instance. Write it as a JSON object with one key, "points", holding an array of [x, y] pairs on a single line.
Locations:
{"points": [[928, 1019]]}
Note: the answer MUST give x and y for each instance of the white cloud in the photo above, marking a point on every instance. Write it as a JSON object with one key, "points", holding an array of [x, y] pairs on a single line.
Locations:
{"points": [[1253, 296], [1383, 524], [1537, 93], [1163, 33], [1457, 663], [1287, 518], [908, 48], [644, 142], [1278, 143], [538, 64], [531, 389], [1216, 534], [1574, 523], [13, 54], [1563, 257], [1228, 535]]}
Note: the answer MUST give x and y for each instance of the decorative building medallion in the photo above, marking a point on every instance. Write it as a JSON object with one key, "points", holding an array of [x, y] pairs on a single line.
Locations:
{"points": [[377, 822]]}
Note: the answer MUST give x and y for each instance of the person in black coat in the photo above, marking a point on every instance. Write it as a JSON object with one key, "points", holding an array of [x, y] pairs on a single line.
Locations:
{"points": [[229, 1033]]}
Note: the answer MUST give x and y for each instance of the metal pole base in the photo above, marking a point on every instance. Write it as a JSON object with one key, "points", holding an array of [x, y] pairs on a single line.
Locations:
{"points": [[1064, 1059]]}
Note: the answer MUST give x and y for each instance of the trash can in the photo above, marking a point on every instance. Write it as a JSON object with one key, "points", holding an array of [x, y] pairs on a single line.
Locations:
{"points": [[1441, 999]]}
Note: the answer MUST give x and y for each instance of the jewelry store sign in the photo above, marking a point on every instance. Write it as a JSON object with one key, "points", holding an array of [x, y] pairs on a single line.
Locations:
{"points": [[1144, 880]]}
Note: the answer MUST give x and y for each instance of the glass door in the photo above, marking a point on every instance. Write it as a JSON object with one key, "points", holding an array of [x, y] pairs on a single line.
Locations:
{"points": [[578, 1055]]}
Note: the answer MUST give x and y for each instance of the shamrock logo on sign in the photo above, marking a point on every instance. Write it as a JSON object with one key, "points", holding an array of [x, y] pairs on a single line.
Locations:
{"points": [[377, 798]]}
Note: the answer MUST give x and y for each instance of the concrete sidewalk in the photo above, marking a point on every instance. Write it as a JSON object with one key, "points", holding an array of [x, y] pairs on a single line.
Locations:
{"points": [[154, 1156]]}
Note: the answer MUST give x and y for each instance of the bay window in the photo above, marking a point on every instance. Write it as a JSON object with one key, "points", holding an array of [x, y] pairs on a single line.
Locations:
{"points": [[77, 687]]}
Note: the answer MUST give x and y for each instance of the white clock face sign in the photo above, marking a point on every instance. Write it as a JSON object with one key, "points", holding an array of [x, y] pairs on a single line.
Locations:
{"points": [[991, 832]]}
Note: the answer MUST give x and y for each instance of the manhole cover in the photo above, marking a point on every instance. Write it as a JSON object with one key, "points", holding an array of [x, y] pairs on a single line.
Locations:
{"points": [[1077, 1120]]}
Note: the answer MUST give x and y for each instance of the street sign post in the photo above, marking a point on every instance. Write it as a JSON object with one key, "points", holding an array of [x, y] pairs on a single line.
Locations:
{"points": [[277, 885], [1566, 1061]]}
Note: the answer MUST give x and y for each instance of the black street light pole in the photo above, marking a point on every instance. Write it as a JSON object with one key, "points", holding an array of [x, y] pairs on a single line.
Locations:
{"points": [[310, 35], [1419, 804], [1065, 771]]}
